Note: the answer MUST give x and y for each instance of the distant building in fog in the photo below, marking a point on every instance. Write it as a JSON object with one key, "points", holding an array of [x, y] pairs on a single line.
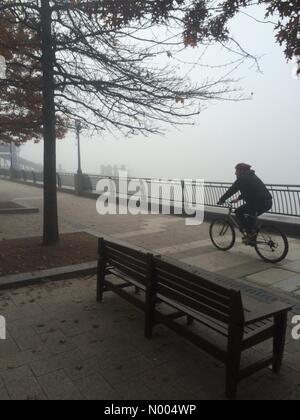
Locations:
{"points": [[9, 154], [113, 170]]}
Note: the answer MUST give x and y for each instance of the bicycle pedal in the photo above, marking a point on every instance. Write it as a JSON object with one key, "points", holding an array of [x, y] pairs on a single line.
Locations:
{"points": [[249, 241]]}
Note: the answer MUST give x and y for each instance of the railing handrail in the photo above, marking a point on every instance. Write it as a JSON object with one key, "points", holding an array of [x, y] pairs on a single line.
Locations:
{"points": [[179, 180], [215, 183], [286, 197]]}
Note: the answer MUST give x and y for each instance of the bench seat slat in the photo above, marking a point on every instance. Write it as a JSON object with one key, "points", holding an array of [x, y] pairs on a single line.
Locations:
{"points": [[203, 343], [210, 323]]}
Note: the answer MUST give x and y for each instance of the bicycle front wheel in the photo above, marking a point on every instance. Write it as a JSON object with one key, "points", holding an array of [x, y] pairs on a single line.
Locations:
{"points": [[271, 244], [222, 234]]}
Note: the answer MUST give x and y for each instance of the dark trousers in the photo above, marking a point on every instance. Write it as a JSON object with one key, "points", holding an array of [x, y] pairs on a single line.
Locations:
{"points": [[253, 210]]}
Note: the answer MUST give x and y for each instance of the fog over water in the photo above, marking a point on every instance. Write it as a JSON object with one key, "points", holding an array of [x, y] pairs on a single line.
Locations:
{"points": [[263, 131]]}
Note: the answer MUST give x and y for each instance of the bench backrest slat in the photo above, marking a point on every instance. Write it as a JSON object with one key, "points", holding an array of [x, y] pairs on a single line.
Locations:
{"points": [[173, 268], [135, 275], [199, 287], [127, 251], [164, 291], [132, 263], [194, 291]]}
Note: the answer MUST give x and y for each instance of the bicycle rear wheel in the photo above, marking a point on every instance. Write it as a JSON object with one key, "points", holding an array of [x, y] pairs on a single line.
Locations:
{"points": [[222, 234], [271, 244]]}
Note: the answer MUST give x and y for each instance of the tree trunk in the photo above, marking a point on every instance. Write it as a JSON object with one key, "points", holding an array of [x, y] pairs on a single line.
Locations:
{"points": [[51, 234]]}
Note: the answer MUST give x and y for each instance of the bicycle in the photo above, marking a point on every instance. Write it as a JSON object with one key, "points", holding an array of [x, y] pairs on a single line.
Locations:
{"points": [[270, 243]]}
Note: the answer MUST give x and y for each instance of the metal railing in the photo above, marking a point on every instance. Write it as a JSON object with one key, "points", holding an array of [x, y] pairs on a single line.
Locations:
{"points": [[286, 197]]}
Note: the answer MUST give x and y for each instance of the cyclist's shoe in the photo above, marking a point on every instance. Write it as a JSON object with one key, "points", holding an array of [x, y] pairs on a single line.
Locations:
{"points": [[250, 239], [245, 240]]}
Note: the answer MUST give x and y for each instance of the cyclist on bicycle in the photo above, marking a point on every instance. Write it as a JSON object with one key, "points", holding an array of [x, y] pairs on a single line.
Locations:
{"points": [[258, 199]]}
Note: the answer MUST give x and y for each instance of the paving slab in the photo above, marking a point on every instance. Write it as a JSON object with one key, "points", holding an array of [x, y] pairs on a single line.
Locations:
{"points": [[57, 362], [4, 394], [244, 270], [21, 384], [216, 261], [270, 277], [289, 285], [95, 387], [135, 390], [292, 266], [294, 252], [58, 386]]}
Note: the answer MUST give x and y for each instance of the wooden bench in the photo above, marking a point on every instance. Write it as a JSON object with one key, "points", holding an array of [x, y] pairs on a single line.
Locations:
{"points": [[217, 319]]}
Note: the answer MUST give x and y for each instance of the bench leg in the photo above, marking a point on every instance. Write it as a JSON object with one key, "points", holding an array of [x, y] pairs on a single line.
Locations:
{"points": [[100, 282], [150, 298], [234, 362], [279, 341], [149, 314], [99, 292], [232, 378], [101, 270]]}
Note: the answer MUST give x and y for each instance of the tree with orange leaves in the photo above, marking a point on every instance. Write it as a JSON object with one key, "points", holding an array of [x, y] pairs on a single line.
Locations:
{"points": [[21, 99]]}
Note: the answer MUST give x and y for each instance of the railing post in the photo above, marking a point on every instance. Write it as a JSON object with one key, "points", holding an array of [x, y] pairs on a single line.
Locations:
{"points": [[183, 197], [33, 177], [58, 181], [12, 174]]}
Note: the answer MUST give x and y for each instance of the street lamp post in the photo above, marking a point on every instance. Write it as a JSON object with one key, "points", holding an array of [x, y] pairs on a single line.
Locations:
{"points": [[78, 129], [11, 155], [11, 170], [79, 176]]}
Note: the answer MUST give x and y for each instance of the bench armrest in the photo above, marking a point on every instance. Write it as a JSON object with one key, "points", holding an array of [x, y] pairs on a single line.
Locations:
{"points": [[269, 311]]}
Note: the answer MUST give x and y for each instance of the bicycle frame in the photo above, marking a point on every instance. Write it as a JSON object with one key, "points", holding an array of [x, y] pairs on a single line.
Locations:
{"points": [[233, 221], [230, 217]]}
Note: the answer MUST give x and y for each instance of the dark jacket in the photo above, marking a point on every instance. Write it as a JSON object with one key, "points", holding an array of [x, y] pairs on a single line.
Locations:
{"points": [[252, 189]]}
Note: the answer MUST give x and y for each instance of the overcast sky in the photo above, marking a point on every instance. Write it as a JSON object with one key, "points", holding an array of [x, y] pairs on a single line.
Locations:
{"points": [[263, 131]]}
